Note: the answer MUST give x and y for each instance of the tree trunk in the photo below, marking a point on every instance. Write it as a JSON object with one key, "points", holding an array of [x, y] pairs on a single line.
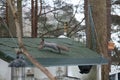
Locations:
{"points": [[99, 15], [7, 13], [108, 3], [34, 17], [10, 21], [19, 8]]}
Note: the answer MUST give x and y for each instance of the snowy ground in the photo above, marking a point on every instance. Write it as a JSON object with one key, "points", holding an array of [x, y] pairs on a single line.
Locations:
{"points": [[116, 39]]}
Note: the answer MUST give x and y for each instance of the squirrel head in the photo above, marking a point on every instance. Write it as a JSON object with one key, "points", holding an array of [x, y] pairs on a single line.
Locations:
{"points": [[41, 44], [42, 41]]}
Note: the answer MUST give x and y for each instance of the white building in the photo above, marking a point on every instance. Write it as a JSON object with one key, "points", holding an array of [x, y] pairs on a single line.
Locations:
{"points": [[71, 72], [115, 72]]}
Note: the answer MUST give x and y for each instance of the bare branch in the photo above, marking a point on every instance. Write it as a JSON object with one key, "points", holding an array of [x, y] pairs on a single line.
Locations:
{"points": [[76, 26], [14, 12], [82, 28], [21, 45], [58, 29], [59, 20], [51, 11], [74, 13], [40, 13]]}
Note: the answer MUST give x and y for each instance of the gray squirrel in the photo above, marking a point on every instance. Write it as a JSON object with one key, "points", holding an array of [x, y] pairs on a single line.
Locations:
{"points": [[54, 46]]}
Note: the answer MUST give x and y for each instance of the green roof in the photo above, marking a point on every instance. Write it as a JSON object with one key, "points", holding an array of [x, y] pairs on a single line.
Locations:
{"points": [[77, 55]]}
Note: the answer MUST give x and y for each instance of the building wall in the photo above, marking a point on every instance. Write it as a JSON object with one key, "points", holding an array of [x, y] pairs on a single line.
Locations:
{"points": [[115, 72], [40, 75], [5, 73], [72, 71]]}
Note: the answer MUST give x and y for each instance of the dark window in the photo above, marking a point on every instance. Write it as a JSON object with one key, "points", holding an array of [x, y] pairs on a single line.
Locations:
{"points": [[112, 77], [118, 76]]}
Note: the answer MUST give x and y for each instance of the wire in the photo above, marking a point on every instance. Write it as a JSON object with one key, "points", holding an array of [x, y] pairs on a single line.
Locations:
{"points": [[92, 27]]}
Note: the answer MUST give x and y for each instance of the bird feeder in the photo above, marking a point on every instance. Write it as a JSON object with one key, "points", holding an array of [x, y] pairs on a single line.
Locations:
{"points": [[18, 68], [111, 45]]}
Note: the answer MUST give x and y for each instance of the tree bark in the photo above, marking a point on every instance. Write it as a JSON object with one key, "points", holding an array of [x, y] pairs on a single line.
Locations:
{"points": [[10, 20], [99, 15], [34, 18], [108, 3], [40, 13], [19, 8], [21, 45]]}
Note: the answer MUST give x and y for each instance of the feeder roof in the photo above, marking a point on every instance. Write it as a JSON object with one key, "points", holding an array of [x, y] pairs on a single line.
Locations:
{"points": [[78, 54]]}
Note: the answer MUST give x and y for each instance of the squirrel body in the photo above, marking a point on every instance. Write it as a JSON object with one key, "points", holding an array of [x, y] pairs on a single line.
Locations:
{"points": [[52, 46]]}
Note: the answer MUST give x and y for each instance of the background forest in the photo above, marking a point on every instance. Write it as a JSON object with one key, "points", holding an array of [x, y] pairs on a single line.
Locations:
{"points": [[50, 16]]}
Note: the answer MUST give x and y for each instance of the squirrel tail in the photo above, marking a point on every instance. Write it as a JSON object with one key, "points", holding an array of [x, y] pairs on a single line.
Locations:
{"points": [[63, 48]]}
